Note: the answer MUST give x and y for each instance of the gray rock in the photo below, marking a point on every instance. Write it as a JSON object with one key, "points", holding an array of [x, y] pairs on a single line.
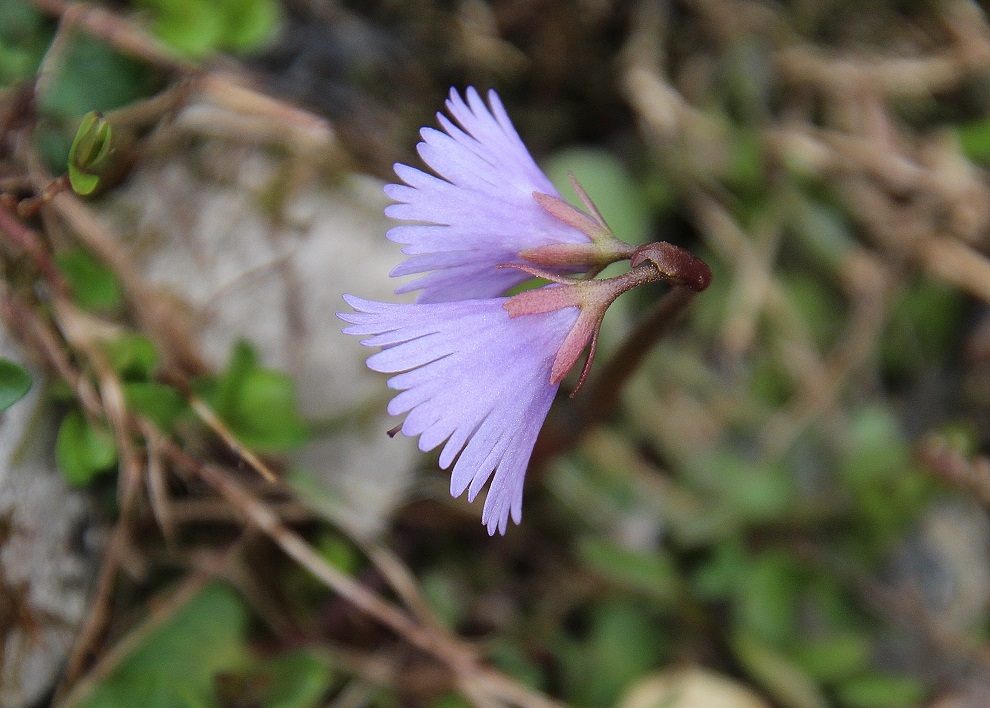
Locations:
{"points": [[242, 275], [45, 572]]}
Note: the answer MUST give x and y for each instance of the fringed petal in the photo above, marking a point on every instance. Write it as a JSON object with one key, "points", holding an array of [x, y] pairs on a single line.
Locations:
{"points": [[468, 374]]}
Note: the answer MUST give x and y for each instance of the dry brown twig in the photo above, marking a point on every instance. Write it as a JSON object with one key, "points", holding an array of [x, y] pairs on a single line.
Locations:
{"points": [[917, 199], [964, 49], [859, 340], [460, 658]]}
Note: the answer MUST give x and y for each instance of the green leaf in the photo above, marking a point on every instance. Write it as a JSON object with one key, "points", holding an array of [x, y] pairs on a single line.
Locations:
{"points": [[266, 393], [192, 27], [89, 152], [762, 492], [93, 76], [158, 402], [451, 700], [974, 139], [133, 357], [886, 488], [837, 657], [198, 28], [258, 404], [769, 380], [94, 286], [445, 595], [652, 574], [249, 24], [922, 326], [510, 659], [820, 230], [82, 184], [882, 691], [816, 304], [243, 360], [15, 382], [721, 576], [24, 35], [313, 491], [753, 491], [265, 417], [175, 665], [826, 598], [339, 552], [746, 164], [296, 679], [83, 449], [621, 647], [784, 680], [875, 450], [768, 596], [58, 390]]}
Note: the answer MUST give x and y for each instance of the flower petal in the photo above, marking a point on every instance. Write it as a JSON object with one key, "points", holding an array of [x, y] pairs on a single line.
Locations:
{"points": [[478, 211], [472, 376]]}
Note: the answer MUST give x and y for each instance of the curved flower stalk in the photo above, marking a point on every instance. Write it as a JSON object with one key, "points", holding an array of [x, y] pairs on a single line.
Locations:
{"points": [[488, 205]]}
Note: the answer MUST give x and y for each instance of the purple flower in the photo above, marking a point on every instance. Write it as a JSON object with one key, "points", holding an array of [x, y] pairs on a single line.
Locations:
{"points": [[477, 372], [474, 376], [480, 212]]}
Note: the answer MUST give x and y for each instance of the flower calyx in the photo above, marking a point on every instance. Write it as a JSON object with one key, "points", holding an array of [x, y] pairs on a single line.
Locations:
{"points": [[593, 297], [676, 265], [605, 247]]}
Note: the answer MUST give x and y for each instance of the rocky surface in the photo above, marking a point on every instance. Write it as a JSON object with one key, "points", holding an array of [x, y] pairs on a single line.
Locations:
{"points": [[206, 238], [47, 548]]}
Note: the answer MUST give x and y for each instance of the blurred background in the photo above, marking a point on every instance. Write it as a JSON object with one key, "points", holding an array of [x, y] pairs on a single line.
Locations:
{"points": [[787, 506]]}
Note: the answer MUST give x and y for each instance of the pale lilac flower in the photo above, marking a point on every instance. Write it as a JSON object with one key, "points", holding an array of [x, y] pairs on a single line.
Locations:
{"points": [[480, 212], [474, 376], [475, 370]]}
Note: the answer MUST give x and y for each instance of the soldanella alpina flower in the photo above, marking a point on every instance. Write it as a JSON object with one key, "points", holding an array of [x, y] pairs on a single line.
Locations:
{"points": [[477, 370]]}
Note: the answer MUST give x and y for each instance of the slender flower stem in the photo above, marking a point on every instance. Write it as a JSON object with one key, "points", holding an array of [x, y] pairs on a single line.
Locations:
{"points": [[601, 394]]}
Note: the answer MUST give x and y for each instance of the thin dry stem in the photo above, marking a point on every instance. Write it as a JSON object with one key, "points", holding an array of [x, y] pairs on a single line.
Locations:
{"points": [[29, 242], [457, 656], [730, 242], [96, 619], [399, 577], [157, 485], [213, 422]]}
